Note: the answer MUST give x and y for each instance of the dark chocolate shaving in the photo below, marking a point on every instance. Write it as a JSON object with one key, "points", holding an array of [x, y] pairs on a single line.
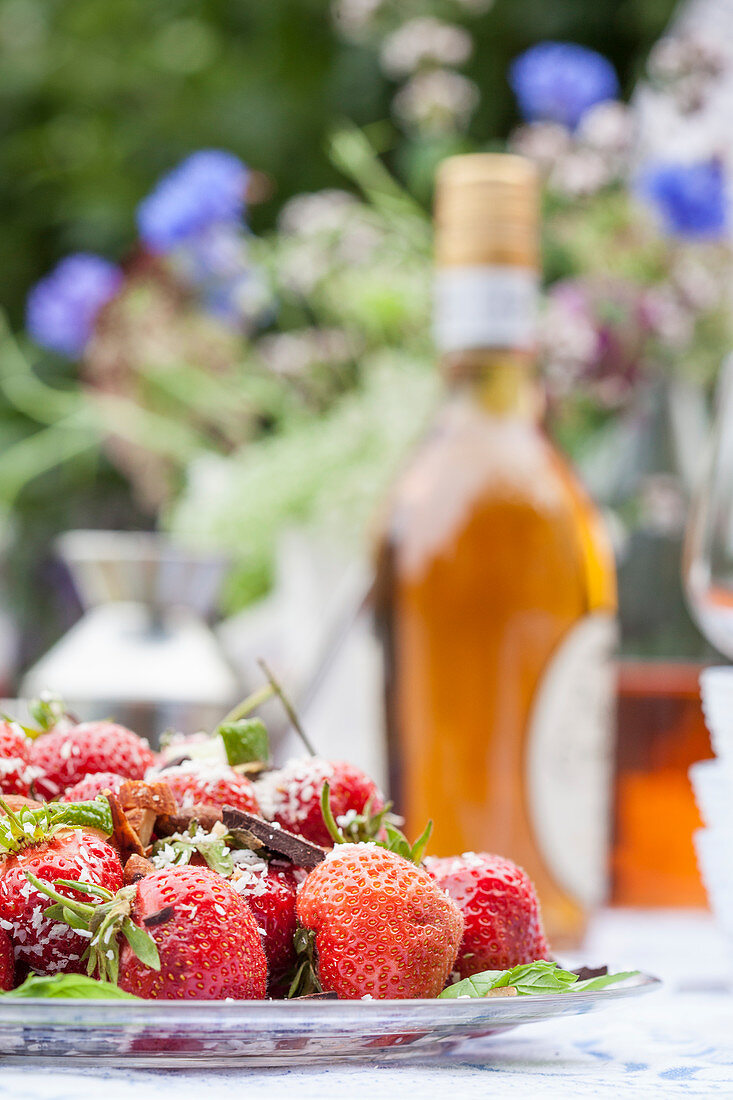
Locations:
{"points": [[174, 762], [586, 972], [206, 814], [160, 917], [258, 834]]}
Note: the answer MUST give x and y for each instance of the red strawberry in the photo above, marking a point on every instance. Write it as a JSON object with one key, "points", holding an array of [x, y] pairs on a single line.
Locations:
{"points": [[66, 755], [292, 795], [34, 843], [193, 783], [179, 933], [7, 962], [270, 891], [92, 785], [382, 926], [500, 908], [16, 773], [207, 938]]}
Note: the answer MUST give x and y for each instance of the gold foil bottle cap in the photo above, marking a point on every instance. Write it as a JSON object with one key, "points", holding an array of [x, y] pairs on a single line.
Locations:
{"points": [[487, 211]]}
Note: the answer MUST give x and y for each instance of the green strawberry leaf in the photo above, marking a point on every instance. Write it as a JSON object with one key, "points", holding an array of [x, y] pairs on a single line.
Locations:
{"points": [[530, 978], [304, 978], [245, 741], [30, 824], [418, 849], [396, 841], [72, 919], [95, 814], [46, 712], [142, 943], [73, 986]]}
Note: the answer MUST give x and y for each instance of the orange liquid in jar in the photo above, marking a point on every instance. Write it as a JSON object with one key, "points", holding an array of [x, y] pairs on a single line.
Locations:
{"points": [[661, 732]]}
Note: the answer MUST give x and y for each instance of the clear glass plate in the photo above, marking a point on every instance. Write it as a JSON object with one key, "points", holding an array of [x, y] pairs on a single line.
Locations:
{"points": [[270, 1033]]}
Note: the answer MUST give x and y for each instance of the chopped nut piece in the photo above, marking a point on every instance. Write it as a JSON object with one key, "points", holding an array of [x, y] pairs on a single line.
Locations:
{"points": [[123, 838], [142, 821], [503, 991], [135, 794], [137, 867]]}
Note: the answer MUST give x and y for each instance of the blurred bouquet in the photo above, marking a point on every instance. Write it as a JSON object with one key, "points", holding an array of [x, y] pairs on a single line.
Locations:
{"points": [[241, 384], [246, 383], [637, 253]]}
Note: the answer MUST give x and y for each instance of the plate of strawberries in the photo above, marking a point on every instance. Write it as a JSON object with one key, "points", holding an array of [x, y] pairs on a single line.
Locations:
{"points": [[198, 904]]}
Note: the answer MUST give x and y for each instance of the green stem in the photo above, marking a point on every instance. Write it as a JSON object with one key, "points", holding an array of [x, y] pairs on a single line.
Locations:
{"points": [[289, 708], [252, 702], [85, 888], [47, 448], [24, 389], [78, 907], [329, 820], [150, 430], [10, 813]]}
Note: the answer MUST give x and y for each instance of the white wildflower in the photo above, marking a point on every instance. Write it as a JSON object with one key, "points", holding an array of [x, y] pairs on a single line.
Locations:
{"points": [[437, 100], [424, 40]]}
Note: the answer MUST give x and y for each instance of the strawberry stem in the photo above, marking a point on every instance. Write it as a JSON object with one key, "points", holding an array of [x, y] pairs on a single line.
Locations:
{"points": [[328, 819], [288, 706], [80, 908], [9, 813], [104, 919], [85, 888]]}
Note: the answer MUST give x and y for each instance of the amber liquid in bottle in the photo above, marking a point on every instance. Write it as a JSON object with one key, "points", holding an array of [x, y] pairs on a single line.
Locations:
{"points": [[496, 593]]}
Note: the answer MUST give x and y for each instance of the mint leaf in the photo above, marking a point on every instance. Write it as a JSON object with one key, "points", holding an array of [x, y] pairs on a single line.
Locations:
{"points": [[245, 741], [603, 980], [528, 979], [75, 986]]}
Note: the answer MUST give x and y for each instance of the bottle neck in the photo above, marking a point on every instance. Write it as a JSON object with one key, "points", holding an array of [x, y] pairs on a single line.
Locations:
{"points": [[485, 330], [502, 381]]}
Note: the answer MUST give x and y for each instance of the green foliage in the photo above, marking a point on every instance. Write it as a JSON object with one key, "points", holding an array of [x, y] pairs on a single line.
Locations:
{"points": [[96, 101], [325, 472], [99, 99]]}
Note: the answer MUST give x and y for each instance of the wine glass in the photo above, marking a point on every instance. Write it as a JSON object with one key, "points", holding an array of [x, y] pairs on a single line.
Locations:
{"points": [[707, 567], [707, 563]]}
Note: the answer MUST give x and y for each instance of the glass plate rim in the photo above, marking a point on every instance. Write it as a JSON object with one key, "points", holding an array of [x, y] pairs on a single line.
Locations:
{"points": [[14, 1007]]}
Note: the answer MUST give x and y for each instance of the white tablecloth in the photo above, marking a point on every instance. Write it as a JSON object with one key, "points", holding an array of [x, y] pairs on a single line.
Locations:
{"points": [[677, 1042]]}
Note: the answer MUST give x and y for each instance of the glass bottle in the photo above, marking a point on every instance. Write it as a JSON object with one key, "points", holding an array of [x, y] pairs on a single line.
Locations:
{"points": [[495, 586]]}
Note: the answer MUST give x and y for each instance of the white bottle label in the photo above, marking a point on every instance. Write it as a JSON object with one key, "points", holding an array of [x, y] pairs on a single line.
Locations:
{"points": [[485, 307], [569, 759]]}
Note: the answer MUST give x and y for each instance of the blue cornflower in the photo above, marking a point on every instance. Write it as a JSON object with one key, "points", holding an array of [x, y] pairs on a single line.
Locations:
{"points": [[560, 81], [61, 309], [206, 188], [690, 199]]}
